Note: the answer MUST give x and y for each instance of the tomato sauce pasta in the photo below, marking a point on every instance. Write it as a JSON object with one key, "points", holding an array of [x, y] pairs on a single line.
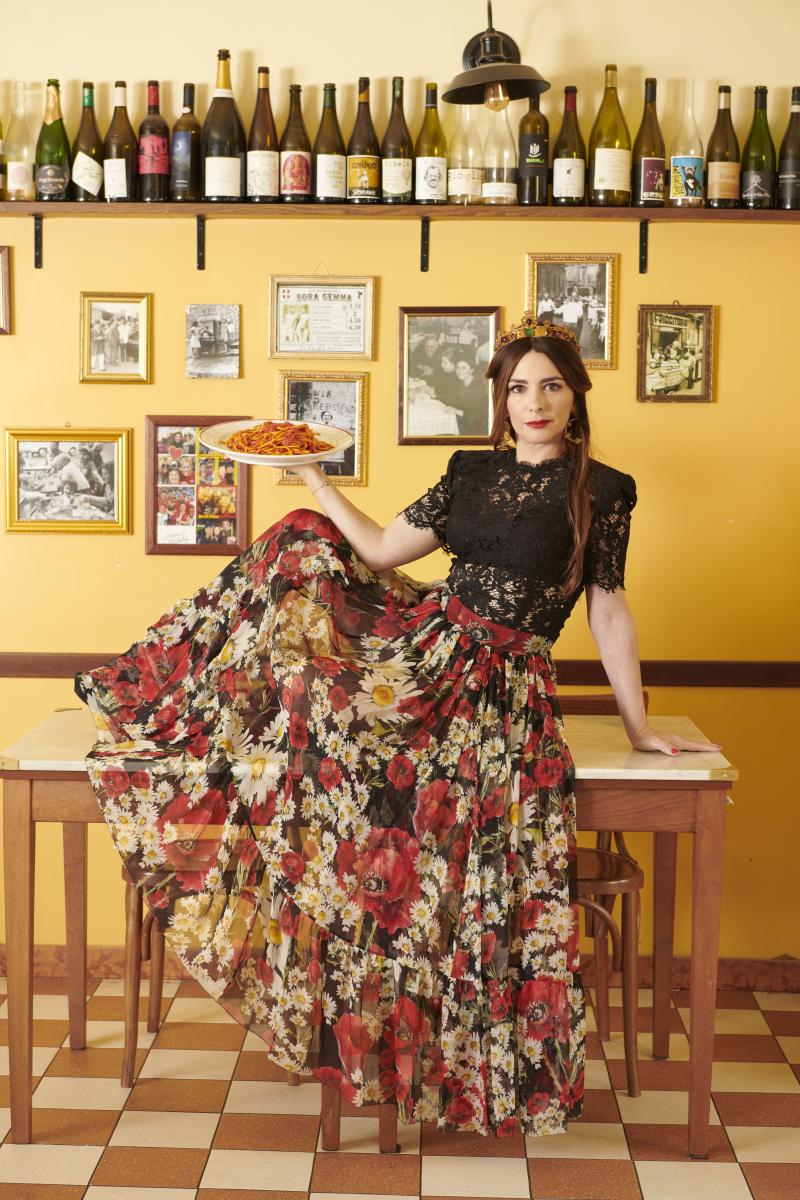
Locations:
{"points": [[277, 438]]}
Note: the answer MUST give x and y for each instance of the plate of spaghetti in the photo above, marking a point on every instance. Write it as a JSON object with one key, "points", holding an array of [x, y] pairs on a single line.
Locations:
{"points": [[275, 443]]}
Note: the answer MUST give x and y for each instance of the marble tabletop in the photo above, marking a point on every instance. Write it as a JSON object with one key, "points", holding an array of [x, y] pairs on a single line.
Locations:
{"points": [[599, 747]]}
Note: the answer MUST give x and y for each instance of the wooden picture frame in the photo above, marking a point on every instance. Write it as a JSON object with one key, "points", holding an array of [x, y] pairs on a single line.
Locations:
{"points": [[68, 480], [579, 291], [5, 289], [674, 353], [116, 337], [335, 398], [174, 522], [459, 342], [321, 316]]}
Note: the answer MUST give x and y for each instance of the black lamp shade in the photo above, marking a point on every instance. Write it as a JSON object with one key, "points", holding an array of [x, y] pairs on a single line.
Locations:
{"points": [[519, 81]]}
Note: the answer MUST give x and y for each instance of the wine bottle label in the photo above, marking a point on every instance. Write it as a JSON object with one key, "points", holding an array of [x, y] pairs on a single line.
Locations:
{"points": [[431, 178], [87, 173], [153, 154], [52, 181], [612, 170], [19, 176], [465, 181], [651, 183], [685, 177], [180, 179], [331, 176], [223, 93], [295, 173], [262, 173], [223, 176], [397, 173], [363, 176], [533, 156], [789, 185], [115, 179], [120, 97], [757, 185], [723, 181], [569, 178], [498, 190]]}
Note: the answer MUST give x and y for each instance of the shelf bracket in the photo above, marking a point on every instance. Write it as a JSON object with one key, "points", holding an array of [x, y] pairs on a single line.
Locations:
{"points": [[644, 243], [424, 243], [37, 240], [201, 242]]}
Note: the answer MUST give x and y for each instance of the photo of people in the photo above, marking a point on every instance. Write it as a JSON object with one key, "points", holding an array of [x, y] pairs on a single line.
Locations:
{"points": [[216, 501], [444, 390], [212, 341], [66, 481], [216, 533], [674, 353], [330, 400], [114, 338], [176, 515], [577, 291]]}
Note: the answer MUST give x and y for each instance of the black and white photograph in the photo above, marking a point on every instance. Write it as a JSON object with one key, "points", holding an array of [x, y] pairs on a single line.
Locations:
{"points": [[579, 292], [64, 483], [115, 338], [675, 352], [212, 341], [443, 392], [330, 398]]}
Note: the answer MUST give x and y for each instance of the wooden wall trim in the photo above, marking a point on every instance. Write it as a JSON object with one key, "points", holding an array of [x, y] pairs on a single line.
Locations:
{"points": [[585, 672]]}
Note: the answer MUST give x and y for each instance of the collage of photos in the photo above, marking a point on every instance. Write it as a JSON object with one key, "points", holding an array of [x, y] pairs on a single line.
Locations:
{"points": [[196, 498]]}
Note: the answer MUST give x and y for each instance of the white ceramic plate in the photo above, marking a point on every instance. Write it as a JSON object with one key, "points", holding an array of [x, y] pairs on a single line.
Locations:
{"points": [[214, 437]]}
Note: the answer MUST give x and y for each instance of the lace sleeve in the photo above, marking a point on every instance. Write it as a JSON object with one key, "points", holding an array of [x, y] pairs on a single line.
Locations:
{"points": [[604, 560], [430, 511]]}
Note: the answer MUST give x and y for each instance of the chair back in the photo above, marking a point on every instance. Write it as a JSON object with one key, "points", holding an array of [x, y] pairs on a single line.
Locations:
{"points": [[594, 704]]}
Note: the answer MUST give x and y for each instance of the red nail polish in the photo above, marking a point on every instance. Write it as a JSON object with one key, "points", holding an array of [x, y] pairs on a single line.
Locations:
{"points": [[674, 750]]}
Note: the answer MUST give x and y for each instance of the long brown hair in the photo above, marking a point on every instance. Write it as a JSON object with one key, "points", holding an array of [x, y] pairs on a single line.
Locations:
{"points": [[568, 362]]}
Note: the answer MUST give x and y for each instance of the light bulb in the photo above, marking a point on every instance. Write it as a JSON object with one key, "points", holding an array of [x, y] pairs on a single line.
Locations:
{"points": [[495, 96]]}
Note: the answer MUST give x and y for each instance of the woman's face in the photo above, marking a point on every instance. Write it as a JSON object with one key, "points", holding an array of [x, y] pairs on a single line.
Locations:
{"points": [[538, 392]]}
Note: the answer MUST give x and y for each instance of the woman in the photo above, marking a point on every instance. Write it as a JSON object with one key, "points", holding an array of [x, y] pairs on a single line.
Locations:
{"points": [[347, 795]]}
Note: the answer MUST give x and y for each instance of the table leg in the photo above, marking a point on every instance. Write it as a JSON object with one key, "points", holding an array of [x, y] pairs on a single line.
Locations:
{"points": [[75, 905], [19, 847], [665, 855], [706, 907]]}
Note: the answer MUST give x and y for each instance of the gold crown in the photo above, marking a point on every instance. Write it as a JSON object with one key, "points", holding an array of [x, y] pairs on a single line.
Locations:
{"points": [[530, 327]]}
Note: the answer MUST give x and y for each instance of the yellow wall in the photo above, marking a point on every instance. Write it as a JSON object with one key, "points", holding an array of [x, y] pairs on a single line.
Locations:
{"points": [[709, 574]]}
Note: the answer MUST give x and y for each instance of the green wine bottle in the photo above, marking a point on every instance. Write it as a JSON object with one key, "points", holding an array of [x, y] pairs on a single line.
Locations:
{"points": [[330, 158], [363, 153], [758, 158], [120, 151], [87, 153], [397, 151], [295, 151], [534, 139], [224, 146], [569, 155], [722, 157], [649, 164], [52, 150], [430, 154], [789, 159], [610, 150], [263, 155]]}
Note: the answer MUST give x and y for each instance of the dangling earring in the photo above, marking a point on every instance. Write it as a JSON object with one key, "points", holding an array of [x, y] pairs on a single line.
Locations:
{"points": [[573, 431], [506, 440]]}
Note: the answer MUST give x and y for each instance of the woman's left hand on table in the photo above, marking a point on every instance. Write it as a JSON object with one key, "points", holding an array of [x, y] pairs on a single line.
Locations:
{"points": [[649, 739]]}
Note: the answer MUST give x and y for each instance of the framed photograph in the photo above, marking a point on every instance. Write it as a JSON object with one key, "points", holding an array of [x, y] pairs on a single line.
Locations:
{"points": [[444, 393], [196, 501], [212, 341], [68, 480], [674, 352], [327, 315], [579, 291], [115, 337], [335, 398], [5, 289]]}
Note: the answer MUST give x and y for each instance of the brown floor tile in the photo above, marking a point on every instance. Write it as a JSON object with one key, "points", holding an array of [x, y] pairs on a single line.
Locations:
{"points": [[254, 1065], [191, 1035], [43, 1191], [470, 1145], [773, 1181], [131, 1166], [45, 1033], [73, 1127], [248, 1131], [92, 1063], [190, 987], [785, 1023], [757, 1108], [112, 1008], [796, 1069], [599, 1104], [594, 1047], [667, 1143], [178, 1095], [644, 1020], [382, 1174], [653, 1076], [42, 986], [582, 1179], [5, 1096], [237, 1194], [746, 1047], [725, 999]]}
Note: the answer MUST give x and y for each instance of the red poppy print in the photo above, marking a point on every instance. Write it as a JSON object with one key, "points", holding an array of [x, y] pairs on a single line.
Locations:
{"points": [[385, 879]]}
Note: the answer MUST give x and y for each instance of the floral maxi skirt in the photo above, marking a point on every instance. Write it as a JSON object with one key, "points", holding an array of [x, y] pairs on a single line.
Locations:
{"points": [[348, 800]]}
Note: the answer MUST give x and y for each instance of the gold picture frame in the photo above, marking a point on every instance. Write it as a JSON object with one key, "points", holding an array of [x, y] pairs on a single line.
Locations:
{"points": [[5, 289], [116, 337], [335, 398], [68, 480], [579, 291], [321, 316]]}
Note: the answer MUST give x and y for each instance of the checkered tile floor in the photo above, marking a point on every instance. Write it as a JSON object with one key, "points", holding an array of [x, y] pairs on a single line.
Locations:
{"points": [[209, 1118]]}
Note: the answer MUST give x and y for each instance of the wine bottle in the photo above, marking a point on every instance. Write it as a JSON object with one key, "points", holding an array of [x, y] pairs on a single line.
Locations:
{"points": [[119, 150], [363, 153], [153, 150], [295, 163], [789, 159], [649, 164], [87, 153], [224, 145], [686, 157], [20, 147], [52, 150], [569, 155], [722, 158], [262, 148], [534, 148], [610, 150], [2, 165], [330, 157], [185, 153], [758, 158], [499, 161], [397, 152], [465, 160], [430, 154]]}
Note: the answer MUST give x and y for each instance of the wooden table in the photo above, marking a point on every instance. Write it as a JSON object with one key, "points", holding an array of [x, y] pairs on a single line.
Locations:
{"points": [[45, 779]]}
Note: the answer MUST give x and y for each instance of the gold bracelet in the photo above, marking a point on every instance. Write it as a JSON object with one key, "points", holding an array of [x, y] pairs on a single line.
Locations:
{"points": [[319, 489]]}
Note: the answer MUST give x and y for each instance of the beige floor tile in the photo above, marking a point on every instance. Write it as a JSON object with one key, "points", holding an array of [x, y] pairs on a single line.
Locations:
{"points": [[135, 1193], [790, 1047], [64, 1091], [254, 1043], [288, 1170], [591, 1021], [615, 997], [733, 1020], [658, 1108], [753, 1077], [208, 1011], [110, 1035], [189, 1064], [598, 1139], [349, 1196], [596, 1074], [444, 1175], [678, 1046], [115, 987], [42, 1057], [257, 1097], [50, 1008], [765, 1143], [359, 1135], [191, 1131], [5, 1122], [692, 1181], [48, 1164], [3, 985], [778, 1001]]}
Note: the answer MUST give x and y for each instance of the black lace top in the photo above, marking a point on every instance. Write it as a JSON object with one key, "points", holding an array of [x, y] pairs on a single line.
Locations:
{"points": [[505, 524]]}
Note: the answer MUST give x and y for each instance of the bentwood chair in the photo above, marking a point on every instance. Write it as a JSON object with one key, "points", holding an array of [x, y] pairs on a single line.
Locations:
{"points": [[144, 942]]}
